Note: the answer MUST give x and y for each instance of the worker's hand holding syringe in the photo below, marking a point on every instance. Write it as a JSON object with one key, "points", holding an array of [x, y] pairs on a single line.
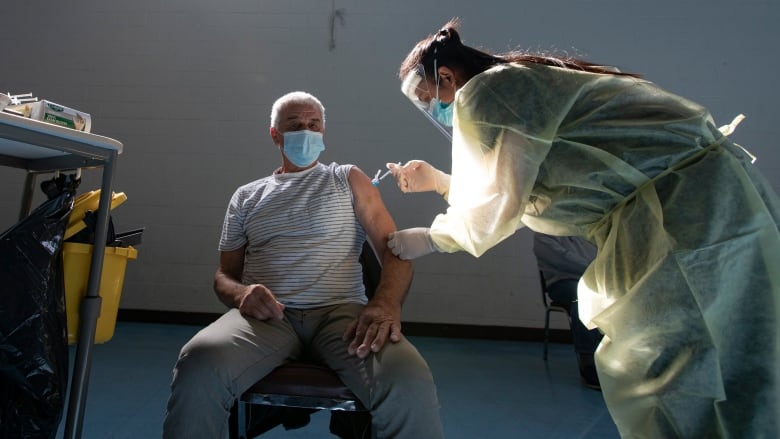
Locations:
{"points": [[414, 176], [419, 176]]}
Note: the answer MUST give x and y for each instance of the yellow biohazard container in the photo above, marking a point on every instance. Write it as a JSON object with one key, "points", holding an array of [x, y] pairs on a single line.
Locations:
{"points": [[88, 202], [77, 259]]}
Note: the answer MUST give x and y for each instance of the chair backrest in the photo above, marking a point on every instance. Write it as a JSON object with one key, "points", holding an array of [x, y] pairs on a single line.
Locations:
{"points": [[543, 283], [372, 269]]}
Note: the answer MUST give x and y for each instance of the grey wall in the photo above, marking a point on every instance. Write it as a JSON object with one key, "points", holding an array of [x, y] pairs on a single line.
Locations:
{"points": [[187, 85]]}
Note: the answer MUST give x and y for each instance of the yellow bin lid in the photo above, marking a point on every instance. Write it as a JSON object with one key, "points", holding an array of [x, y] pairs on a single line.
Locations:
{"points": [[88, 202]]}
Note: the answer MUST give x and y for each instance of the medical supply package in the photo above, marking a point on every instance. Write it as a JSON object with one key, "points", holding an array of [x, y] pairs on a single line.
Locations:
{"points": [[49, 112]]}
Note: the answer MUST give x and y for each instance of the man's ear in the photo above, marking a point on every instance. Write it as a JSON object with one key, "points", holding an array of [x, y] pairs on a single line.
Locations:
{"points": [[276, 136]]}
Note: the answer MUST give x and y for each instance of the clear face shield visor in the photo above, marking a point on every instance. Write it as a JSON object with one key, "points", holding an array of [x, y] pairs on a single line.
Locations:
{"points": [[421, 93]]}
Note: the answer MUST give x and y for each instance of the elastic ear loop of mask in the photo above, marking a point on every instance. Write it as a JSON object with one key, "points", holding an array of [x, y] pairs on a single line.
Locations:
{"points": [[436, 73], [443, 130]]}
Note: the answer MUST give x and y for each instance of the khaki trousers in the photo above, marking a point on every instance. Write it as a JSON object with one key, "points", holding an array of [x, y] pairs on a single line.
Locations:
{"points": [[224, 359]]}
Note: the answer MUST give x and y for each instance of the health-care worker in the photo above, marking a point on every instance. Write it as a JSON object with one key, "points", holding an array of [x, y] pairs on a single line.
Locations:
{"points": [[686, 284]]}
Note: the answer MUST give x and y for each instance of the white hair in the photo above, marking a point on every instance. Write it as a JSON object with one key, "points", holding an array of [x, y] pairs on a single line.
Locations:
{"points": [[295, 97]]}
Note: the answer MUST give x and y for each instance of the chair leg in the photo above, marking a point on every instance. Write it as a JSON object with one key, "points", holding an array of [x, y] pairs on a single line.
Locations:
{"points": [[241, 419], [546, 332], [350, 425]]}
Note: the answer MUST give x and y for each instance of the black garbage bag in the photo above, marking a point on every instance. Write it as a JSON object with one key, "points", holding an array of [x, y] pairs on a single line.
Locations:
{"points": [[33, 331]]}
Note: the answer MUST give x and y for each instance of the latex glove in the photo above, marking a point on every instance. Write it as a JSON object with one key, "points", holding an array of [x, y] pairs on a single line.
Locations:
{"points": [[411, 243], [420, 176]]}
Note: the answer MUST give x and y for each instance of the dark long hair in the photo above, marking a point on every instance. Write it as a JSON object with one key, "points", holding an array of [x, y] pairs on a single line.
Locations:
{"points": [[446, 48]]}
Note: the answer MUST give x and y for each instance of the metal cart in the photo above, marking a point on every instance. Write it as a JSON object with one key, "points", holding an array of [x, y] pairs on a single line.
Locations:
{"points": [[44, 148]]}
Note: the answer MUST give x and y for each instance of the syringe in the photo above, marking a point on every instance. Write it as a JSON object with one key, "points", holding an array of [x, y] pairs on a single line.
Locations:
{"points": [[377, 178]]}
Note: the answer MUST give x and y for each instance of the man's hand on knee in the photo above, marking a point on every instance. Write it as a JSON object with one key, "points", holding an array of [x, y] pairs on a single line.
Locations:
{"points": [[370, 331]]}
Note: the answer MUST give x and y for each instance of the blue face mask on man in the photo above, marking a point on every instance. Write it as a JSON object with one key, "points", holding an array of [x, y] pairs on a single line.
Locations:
{"points": [[303, 148], [441, 112]]}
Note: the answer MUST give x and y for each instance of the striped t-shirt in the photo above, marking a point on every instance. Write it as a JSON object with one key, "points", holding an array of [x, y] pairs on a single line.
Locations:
{"points": [[302, 236]]}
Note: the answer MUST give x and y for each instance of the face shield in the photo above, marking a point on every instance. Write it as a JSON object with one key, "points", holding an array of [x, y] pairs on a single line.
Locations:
{"points": [[424, 97]]}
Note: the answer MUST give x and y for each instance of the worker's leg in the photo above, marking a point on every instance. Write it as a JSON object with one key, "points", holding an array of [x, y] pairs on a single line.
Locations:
{"points": [[585, 341]]}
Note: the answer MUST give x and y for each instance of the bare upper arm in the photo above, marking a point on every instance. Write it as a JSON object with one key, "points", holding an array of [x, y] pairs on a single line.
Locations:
{"points": [[376, 220], [371, 210]]}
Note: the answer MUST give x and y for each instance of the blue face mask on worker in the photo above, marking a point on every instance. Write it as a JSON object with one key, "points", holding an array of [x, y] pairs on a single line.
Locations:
{"points": [[441, 112], [302, 148]]}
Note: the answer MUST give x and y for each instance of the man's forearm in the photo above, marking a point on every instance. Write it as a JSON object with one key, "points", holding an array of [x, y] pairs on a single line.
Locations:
{"points": [[395, 279], [228, 290]]}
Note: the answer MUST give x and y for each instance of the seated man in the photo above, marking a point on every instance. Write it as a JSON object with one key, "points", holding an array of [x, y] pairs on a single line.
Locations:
{"points": [[289, 271], [562, 260]]}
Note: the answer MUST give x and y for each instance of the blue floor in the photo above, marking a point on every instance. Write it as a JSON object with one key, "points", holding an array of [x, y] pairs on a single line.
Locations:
{"points": [[487, 388]]}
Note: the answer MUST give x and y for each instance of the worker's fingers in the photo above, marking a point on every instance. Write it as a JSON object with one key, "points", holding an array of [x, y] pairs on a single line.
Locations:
{"points": [[401, 178], [394, 168], [393, 244]]}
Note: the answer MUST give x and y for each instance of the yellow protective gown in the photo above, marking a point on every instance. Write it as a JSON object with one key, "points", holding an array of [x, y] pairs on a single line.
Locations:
{"points": [[686, 284]]}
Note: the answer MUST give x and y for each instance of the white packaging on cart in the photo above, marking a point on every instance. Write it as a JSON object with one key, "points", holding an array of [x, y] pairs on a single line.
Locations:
{"points": [[57, 114], [49, 112]]}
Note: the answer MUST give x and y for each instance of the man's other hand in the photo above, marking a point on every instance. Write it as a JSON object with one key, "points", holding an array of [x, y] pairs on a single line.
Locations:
{"points": [[260, 303]]}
